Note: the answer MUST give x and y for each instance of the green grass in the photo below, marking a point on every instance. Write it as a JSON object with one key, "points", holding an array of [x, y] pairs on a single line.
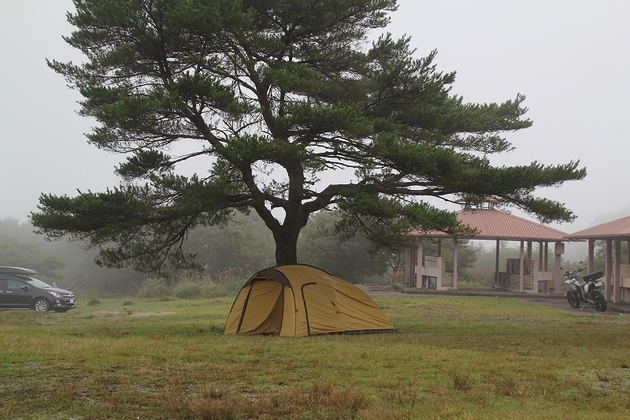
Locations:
{"points": [[452, 358]]}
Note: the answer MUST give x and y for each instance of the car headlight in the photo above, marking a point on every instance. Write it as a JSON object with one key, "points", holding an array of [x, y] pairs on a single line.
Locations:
{"points": [[55, 294]]}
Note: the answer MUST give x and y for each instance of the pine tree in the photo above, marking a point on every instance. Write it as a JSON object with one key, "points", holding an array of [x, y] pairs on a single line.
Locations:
{"points": [[264, 96]]}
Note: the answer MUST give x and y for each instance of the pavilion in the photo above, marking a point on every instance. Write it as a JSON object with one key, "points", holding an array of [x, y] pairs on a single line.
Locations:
{"points": [[613, 233], [521, 275]]}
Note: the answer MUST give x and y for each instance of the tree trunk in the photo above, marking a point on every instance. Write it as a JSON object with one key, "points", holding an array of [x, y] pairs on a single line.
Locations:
{"points": [[286, 245]]}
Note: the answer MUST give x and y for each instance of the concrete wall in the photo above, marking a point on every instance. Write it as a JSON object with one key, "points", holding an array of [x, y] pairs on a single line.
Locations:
{"points": [[510, 278], [625, 282]]}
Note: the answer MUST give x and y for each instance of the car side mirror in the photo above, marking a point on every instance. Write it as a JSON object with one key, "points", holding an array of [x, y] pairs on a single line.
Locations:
{"points": [[25, 288]]}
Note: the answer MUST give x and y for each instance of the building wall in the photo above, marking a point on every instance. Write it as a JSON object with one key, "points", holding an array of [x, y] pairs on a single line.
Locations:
{"points": [[510, 279], [448, 279], [625, 282]]}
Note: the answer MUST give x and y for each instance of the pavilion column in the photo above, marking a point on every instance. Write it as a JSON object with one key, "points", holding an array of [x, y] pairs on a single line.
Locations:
{"points": [[419, 263], [617, 286], [609, 269], [455, 255], [522, 267], [546, 263], [496, 263], [558, 251], [591, 256], [408, 266]]}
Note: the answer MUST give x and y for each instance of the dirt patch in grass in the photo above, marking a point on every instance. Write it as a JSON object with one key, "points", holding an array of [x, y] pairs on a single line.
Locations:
{"points": [[142, 314], [132, 313]]}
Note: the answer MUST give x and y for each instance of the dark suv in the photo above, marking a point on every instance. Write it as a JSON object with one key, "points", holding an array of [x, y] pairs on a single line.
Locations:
{"points": [[19, 290]]}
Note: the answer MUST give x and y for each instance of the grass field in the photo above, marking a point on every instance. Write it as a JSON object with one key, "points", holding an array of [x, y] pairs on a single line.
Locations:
{"points": [[452, 358]]}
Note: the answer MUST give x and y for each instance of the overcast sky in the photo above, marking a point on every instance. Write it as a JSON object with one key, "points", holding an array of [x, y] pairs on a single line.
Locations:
{"points": [[570, 58]]}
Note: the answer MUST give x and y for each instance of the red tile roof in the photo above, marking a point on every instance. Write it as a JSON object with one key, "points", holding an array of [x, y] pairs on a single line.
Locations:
{"points": [[497, 224], [616, 228]]}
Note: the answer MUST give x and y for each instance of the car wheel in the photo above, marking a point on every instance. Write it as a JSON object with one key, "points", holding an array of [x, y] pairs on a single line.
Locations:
{"points": [[41, 305]]}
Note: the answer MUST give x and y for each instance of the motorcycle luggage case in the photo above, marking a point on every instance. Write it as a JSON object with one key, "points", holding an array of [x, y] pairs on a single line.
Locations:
{"points": [[593, 276]]}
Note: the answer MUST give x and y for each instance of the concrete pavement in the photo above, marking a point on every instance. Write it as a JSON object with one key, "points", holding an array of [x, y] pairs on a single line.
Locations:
{"points": [[555, 301]]}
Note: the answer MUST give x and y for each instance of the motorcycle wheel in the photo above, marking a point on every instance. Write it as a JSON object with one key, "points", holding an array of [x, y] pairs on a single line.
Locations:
{"points": [[599, 302], [573, 299]]}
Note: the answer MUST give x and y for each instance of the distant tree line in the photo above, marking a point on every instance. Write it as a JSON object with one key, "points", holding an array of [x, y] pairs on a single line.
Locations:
{"points": [[600, 254], [227, 253], [246, 245], [62, 262], [234, 252]]}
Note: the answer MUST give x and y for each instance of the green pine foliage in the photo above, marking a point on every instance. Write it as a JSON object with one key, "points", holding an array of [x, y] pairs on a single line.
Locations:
{"points": [[265, 96]]}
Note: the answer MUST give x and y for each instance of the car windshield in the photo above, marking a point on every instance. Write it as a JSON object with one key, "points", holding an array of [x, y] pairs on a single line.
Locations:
{"points": [[38, 283]]}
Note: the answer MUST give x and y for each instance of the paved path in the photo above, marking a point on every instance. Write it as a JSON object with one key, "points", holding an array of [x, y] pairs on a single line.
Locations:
{"points": [[555, 301]]}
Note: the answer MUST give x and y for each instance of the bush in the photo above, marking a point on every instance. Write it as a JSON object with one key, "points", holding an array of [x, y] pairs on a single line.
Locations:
{"points": [[233, 287], [155, 290], [199, 291], [230, 281], [215, 291], [188, 287], [188, 290]]}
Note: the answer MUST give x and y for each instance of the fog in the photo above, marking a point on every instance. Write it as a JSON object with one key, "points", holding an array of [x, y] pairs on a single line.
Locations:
{"points": [[569, 57]]}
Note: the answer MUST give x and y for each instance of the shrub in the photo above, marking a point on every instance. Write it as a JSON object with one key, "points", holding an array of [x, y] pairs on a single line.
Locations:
{"points": [[215, 291], [188, 290], [155, 290], [191, 288], [231, 279], [200, 291], [234, 287]]}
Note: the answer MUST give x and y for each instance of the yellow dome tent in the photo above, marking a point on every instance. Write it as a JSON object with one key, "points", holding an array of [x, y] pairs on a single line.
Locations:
{"points": [[300, 300]]}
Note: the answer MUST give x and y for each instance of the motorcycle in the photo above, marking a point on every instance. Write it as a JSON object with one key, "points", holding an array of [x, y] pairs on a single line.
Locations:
{"points": [[583, 289]]}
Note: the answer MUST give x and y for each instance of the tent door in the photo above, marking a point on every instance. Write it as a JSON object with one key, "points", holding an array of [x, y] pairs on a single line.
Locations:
{"points": [[263, 309]]}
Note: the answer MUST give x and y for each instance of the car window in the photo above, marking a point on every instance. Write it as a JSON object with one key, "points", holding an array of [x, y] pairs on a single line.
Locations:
{"points": [[14, 284], [38, 283]]}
